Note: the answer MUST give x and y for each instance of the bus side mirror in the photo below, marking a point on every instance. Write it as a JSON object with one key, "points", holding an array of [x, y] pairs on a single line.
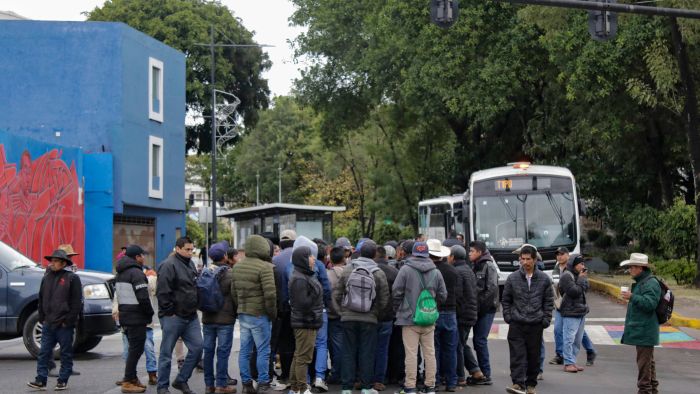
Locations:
{"points": [[582, 208]]}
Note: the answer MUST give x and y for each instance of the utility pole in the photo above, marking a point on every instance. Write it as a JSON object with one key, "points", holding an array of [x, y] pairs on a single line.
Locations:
{"points": [[279, 184], [257, 188]]}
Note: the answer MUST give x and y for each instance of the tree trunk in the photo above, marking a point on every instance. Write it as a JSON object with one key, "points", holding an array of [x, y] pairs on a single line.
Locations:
{"points": [[690, 112]]}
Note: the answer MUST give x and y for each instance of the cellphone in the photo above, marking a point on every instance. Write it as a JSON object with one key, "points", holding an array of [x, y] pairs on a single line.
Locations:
{"points": [[585, 270]]}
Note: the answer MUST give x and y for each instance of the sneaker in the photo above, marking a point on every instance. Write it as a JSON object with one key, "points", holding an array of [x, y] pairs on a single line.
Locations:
{"points": [[248, 388], [379, 386], [485, 381], [163, 391], [231, 381], [429, 390], [531, 390], [279, 385], [515, 389], [320, 385], [308, 390], [346, 392], [450, 389], [182, 386], [590, 358], [37, 385], [369, 391], [540, 376], [60, 386], [570, 368], [264, 388], [557, 360]]}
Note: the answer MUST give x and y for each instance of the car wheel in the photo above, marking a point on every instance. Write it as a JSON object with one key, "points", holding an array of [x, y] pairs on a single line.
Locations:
{"points": [[87, 344], [31, 335]]}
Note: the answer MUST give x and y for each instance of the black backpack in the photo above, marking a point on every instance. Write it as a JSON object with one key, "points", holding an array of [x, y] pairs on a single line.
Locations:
{"points": [[664, 309]]}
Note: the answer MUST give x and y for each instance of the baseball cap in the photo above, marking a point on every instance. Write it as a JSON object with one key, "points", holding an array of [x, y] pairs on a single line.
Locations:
{"points": [[562, 250], [134, 250], [288, 234], [420, 249], [344, 242]]}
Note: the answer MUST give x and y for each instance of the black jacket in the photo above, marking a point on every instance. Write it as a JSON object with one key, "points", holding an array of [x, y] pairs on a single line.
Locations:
{"points": [[467, 309], [177, 287], [305, 292], [60, 298], [131, 284], [573, 289], [528, 305], [388, 314], [486, 285], [453, 285]]}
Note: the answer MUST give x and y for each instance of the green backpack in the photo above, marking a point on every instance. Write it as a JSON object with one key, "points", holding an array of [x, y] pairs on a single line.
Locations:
{"points": [[426, 313]]}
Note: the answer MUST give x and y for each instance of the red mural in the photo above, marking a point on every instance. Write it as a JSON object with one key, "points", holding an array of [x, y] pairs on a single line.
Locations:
{"points": [[40, 205]]}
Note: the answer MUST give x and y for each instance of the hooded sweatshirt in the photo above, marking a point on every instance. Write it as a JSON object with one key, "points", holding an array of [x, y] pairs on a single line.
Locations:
{"points": [[380, 301], [305, 292], [253, 283], [319, 269], [131, 285], [573, 288], [407, 287]]}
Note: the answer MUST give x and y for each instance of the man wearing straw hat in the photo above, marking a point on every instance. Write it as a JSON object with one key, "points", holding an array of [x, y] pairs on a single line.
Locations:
{"points": [[641, 323]]}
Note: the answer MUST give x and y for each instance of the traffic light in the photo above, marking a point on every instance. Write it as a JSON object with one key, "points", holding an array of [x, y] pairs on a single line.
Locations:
{"points": [[444, 12], [191, 199], [602, 25]]}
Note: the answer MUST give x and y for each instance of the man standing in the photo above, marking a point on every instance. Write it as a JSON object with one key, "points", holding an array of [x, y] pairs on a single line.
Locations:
{"points": [[573, 285], [467, 312], [527, 308], [177, 309], [218, 326], [60, 303], [487, 301], [253, 291], [418, 274], [135, 312], [446, 326], [386, 323], [282, 340], [360, 295], [335, 328], [641, 323]]}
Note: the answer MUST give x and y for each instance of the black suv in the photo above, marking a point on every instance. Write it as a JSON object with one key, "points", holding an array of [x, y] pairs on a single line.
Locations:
{"points": [[20, 279]]}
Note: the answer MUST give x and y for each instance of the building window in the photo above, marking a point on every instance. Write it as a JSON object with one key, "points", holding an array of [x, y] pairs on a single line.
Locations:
{"points": [[155, 89], [155, 167]]}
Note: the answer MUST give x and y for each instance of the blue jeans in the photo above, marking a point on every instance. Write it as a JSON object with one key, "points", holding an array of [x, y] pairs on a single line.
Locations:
{"points": [[587, 343], [481, 343], [335, 345], [50, 336], [322, 348], [558, 340], [381, 358], [572, 334], [150, 350], [190, 331], [446, 334], [257, 330], [218, 338], [542, 350]]}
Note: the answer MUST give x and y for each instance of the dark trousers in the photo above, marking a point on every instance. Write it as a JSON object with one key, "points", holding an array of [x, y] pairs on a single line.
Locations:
{"points": [[136, 335], [305, 339], [359, 346], [446, 348], [335, 346], [524, 342], [646, 378], [50, 336], [285, 345], [396, 370], [465, 356]]}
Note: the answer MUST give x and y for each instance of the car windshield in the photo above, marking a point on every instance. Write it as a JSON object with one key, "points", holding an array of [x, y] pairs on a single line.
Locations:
{"points": [[544, 218], [13, 259]]}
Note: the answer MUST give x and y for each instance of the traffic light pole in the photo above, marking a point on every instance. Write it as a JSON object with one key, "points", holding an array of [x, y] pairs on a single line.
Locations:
{"points": [[612, 7]]}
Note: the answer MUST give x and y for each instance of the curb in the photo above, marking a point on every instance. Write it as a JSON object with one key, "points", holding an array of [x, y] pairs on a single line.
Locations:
{"points": [[614, 291]]}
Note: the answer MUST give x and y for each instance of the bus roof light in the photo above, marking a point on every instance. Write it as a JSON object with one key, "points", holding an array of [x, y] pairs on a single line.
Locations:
{"points": [[521, 165]]}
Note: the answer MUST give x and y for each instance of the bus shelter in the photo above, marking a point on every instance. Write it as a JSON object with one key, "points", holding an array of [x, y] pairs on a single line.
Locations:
{"points": [[311, 221]]}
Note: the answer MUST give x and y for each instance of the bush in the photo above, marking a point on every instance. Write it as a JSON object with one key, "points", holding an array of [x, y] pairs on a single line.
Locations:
{"points": [[593, 235], [683, 271], [677, 233], [643, 224], [386, 232], [407, 233], [603, 242]]}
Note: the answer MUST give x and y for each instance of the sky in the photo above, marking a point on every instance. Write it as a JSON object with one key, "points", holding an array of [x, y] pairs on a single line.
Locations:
{"points": [[268, 22]]}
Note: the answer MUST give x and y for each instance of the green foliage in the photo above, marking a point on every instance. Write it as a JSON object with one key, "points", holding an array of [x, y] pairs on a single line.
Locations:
{"points": [[183, 24], [407, 233], [603, 242], [677, 232], [682, 270], [387, 232], [194, 231], [643, 224], [593, 234]]}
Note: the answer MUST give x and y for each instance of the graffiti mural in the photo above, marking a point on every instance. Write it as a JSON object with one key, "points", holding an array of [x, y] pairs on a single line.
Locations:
{"points": [[41, 205]]}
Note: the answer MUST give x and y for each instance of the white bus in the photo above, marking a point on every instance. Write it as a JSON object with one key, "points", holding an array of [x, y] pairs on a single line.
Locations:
{"points": [[508, 206], [523, 203], [440, 216]]}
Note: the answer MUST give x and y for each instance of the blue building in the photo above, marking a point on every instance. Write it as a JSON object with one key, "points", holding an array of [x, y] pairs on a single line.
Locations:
{"points": [[108, 102]]}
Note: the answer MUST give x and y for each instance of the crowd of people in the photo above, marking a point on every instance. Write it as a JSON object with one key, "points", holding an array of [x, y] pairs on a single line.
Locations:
{"points": [[312, 314]]}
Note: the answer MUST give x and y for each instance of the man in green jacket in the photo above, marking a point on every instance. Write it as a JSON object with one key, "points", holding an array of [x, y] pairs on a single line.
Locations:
{"points": [[253, 292], [641, 324]]}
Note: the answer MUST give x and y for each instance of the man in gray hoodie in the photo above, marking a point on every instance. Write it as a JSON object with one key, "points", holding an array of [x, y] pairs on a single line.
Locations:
{"points": [[418, 273], [361, 296]]}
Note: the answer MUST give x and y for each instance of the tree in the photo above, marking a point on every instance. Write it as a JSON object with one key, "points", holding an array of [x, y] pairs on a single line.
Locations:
{"points": [[183, 24]]}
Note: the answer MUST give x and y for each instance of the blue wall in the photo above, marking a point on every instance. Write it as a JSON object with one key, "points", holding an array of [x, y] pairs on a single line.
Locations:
{"points": [[99, 217]]}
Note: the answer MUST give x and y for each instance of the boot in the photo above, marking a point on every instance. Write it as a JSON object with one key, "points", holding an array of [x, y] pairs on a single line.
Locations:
{"points": [[130, 387], [152, 378]]}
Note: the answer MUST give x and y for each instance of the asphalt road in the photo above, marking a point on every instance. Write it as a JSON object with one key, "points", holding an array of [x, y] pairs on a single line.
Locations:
{"points": [[615, 370]]}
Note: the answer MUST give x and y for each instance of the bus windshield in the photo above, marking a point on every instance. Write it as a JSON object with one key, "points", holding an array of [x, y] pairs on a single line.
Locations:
{"points": [[542, 213]]}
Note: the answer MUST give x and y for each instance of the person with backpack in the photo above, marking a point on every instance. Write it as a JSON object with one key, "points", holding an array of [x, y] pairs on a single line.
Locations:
{"points": [[361, 295], [215, 285], [641, 321], [335, 328], [306, 302], [487, 303], [573, 285], [417, 290]]}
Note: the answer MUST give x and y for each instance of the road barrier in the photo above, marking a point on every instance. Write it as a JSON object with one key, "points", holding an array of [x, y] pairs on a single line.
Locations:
{"points": [[614, 291]]}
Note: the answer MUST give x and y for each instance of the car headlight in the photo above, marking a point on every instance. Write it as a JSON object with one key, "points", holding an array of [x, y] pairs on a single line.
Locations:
{"points": [[95, 292]]}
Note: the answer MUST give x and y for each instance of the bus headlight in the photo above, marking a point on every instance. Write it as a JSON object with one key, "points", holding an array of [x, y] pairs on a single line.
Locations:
{"points": [[95, 292]]}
